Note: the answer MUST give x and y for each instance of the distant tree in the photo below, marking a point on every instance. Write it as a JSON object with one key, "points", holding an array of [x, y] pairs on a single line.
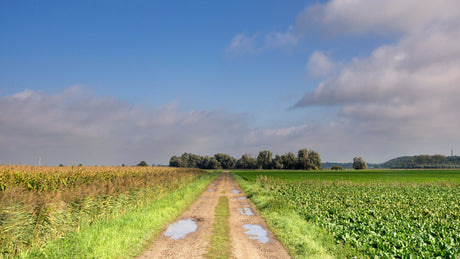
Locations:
{"points": [[439, 159], [176, 161], [142, 163], [289, 161], [314, 160], [278, 162], [336, 167], [423, 160], [265, 160], [122, 164], [209, 163], [302, 159], [359, 163], [246, 162], [226, 161], [61, 165]]}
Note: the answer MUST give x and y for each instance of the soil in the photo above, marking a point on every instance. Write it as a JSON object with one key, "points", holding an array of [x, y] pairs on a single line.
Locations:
{"points": [[196, 244]]}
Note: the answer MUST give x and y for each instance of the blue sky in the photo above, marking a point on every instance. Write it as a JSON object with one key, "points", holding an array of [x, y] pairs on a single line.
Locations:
{"points": [[344, 78]]}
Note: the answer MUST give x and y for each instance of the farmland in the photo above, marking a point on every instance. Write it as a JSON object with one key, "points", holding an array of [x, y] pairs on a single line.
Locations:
{"points": [[49, 211], [387, 213]]}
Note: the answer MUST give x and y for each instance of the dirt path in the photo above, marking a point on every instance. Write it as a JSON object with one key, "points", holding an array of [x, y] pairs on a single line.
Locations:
{"points": [[243, 218]]}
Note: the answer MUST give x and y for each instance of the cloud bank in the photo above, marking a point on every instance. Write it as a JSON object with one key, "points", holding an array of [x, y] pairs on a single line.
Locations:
{"points": [[75, 125], [400, 100], [404, 93]]}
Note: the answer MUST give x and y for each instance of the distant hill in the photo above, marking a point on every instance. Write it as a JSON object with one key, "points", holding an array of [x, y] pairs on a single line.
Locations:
{"points": [[407, 162], [423, 161]]}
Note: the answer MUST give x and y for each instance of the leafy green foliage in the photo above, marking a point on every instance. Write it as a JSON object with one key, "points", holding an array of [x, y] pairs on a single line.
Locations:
{"points": [[359, 163], [306, 160]]}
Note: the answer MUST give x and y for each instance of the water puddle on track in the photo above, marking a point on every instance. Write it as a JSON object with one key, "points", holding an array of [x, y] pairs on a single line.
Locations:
{"points": [[246, 211], [181, 228], [256, 232], [241, 198], [235, 191], [211, 190]]}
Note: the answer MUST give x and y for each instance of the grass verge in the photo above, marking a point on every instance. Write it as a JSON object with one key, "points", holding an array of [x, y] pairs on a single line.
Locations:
{"points": [[302, 239], [220, 241], [125, 235]]}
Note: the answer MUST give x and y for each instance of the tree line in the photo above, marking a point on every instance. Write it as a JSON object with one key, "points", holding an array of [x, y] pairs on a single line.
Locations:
{"points": [[304, 160], [423, 161]]}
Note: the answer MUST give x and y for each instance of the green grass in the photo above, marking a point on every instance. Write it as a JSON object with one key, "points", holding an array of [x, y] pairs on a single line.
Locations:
{"points": [[412, 176], [125, 235], [373, 213], [220, 241]]}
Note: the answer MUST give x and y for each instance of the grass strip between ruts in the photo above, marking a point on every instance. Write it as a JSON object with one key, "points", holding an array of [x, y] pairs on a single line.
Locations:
{"points": [[220, 240], [125, 235]]}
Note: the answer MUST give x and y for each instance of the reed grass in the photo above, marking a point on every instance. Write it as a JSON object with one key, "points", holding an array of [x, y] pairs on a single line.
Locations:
{"points": [[42, 204]]}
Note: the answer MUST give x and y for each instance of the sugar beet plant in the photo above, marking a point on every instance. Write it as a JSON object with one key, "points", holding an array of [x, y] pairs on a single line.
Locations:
{"points": [[379, 220], [38, 204]]}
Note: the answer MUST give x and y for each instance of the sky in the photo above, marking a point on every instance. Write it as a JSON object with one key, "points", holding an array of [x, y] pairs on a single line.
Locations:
{"points": [[116, 82]]}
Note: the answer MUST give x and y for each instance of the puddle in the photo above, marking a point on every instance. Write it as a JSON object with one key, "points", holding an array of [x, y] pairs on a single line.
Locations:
{"points": [[256, 232], [235, 191], [211, 190], [246, 211], [241, 198], [181, 228], [213, 184]]}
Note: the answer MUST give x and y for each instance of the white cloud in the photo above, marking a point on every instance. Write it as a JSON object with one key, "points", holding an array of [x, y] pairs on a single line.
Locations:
{"points": [[75, 125], [379, 16], [275, 40], [256, 43], [319, 64], [242, 44], [404, 94]]}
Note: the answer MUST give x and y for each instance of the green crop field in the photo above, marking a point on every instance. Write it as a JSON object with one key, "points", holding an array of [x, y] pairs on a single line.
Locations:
{"points": [[412, 176], [387, 213]]}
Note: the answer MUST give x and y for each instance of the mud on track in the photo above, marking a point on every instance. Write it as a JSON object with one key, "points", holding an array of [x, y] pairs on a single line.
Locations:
{"points": [[259, 243]]}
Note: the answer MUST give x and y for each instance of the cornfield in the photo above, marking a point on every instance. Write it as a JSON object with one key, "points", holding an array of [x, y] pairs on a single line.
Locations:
{"points": [[39, 204]]}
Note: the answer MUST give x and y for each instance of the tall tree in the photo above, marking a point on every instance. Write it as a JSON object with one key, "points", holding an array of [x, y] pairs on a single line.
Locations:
{"points": [[289, 161], [226, 161], [359, 163], [176, 162], [265, 160], [302, 159], [209, 163], [278, 162], [246, 162], [314, 160]]}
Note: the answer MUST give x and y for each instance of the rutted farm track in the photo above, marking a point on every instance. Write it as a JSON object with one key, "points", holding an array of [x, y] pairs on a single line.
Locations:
{"points": [[249, 235]]}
